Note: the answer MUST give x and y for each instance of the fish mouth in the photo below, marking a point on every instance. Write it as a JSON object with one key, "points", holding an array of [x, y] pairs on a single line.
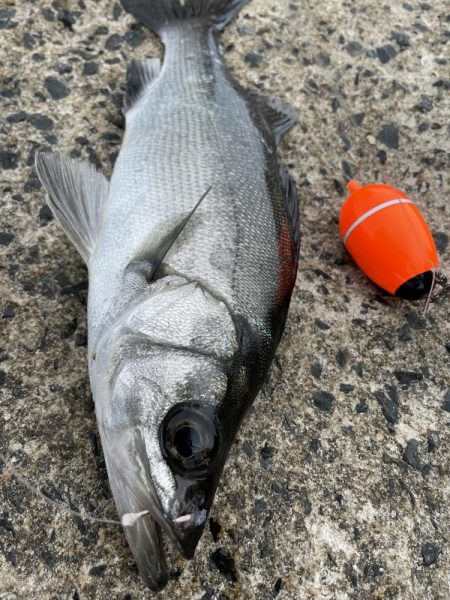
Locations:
{"points": [[145, 541], [146, 525], [187, 526]]}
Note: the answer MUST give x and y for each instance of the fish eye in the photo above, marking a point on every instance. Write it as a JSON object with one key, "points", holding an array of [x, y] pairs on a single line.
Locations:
{"points": [[189, 439]]}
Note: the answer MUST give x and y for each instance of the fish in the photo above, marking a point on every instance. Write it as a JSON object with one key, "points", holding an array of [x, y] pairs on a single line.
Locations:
{"points": [[192, 251]]}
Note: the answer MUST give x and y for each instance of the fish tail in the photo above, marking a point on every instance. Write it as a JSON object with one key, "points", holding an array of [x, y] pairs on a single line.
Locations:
{"points": [[158, 14]]}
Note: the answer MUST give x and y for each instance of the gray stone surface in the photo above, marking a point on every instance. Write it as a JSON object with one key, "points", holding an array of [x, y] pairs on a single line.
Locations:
{"points": [[347, 502]]}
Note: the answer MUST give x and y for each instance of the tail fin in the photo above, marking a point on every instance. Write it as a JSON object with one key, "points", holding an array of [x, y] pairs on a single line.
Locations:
{"points": [[157, 14]]}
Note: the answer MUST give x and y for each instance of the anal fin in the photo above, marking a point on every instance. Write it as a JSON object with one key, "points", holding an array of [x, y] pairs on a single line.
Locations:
{"points": [[75, 194], [140, 73]]}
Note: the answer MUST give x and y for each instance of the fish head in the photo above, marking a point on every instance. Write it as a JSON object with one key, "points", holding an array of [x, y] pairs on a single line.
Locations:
{"points": [[165, 444], [164, 417]]}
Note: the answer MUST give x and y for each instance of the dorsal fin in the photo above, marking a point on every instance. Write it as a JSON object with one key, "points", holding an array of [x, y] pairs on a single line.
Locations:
{"points": [[140, 73], [278, 115], [76, 194], [291, 202]]}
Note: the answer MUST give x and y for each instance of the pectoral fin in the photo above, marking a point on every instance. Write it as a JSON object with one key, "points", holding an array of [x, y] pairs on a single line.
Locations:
{"points": [[149, 258], [75, 194]]}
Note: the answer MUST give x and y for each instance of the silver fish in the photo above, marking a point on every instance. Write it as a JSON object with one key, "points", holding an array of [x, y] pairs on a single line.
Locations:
{"points": [[192, 251]]}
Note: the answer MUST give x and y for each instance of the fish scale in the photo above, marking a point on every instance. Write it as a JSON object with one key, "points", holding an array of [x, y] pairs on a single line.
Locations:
{"points": [[192, 252], [190, 150]]}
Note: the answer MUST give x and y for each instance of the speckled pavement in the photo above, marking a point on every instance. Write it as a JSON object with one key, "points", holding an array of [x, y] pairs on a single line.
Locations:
{"points": [[338, 484]]}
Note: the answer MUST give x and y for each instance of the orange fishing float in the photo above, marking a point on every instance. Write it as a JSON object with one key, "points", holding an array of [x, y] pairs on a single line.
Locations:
{"points": [[389, 240]]}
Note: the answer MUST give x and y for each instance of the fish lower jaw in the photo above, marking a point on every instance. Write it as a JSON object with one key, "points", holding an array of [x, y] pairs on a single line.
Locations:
{"points": [[148, 539], [197, 517]]}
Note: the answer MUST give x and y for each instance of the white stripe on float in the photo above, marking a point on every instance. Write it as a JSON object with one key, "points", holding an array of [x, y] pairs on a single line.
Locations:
{"points": [[372, 211]]}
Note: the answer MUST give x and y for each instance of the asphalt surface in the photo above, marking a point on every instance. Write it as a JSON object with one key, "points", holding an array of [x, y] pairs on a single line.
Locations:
{"points": [[338, 484]]}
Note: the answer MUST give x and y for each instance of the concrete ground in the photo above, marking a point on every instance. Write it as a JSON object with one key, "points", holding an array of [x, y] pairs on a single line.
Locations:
{"points": [[338, 483]]}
